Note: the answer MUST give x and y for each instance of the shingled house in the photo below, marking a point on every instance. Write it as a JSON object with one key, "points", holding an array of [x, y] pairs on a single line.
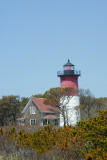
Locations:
{"points": [[37, 113]]}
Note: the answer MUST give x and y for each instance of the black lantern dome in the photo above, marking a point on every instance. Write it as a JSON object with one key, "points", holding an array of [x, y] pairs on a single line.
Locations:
{"points": [[68, 63]]}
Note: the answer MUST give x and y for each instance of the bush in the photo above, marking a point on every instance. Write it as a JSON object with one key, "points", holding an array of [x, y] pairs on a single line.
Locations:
{"points": [[87, 141]]}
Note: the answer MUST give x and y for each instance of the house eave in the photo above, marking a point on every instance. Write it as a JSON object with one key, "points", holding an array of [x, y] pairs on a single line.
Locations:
{"points": [[27, 106]]}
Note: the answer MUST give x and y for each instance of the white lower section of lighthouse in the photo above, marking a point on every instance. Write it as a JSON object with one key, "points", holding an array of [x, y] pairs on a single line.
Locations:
{"points": [[71, 113]]}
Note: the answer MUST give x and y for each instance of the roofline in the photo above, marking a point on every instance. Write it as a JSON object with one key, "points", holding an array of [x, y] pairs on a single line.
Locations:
{"points": [[49, 118], [27, 106], [31, 101], [43, 111], [36, 105], [50, 112]]}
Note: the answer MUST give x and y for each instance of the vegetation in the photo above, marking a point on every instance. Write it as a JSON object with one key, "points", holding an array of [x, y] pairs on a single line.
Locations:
{"points": [[11, 107], [23, 102], [88, 141], [89, 105], [9, 110], [38, 96]]}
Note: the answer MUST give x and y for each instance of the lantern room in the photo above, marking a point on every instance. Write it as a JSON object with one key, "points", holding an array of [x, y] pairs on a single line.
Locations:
{"points": [[69, 69], [68, 66]]}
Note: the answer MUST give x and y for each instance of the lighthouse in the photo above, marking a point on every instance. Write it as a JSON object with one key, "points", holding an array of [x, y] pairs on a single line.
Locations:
{"points": [[69, 78]]}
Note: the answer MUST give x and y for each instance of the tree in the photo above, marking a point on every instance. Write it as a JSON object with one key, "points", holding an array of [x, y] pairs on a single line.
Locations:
{"points": [[60, 97], [23, 103], [87, 101], [38, 96], [89, 105], [9, 109], [93, 134], [101, 104]]}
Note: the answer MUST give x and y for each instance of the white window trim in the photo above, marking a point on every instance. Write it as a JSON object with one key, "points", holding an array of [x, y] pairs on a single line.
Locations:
{"points": [[33, 110], [31, 120], [23, 122]]}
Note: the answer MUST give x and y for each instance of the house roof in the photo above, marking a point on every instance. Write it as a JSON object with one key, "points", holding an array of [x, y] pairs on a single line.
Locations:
{"points": [[20, 118], [39, 102]]}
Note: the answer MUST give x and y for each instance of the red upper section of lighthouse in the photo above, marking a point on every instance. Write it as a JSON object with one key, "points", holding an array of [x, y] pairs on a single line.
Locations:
{"points": [[69, 81], [69, 77]]}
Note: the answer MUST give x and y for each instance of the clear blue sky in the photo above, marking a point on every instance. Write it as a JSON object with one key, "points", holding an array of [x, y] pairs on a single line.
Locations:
{"points": [[37, 37]]}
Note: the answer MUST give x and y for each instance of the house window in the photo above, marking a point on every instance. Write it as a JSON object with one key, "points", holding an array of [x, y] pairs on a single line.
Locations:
{"points": [[23, 122], [53, 121], [32, 121], [56, 122], [33, 110], [44, 122], [50, 121]]}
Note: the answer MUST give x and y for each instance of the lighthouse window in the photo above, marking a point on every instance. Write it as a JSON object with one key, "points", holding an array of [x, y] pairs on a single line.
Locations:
{"points": [[68, 68]]}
